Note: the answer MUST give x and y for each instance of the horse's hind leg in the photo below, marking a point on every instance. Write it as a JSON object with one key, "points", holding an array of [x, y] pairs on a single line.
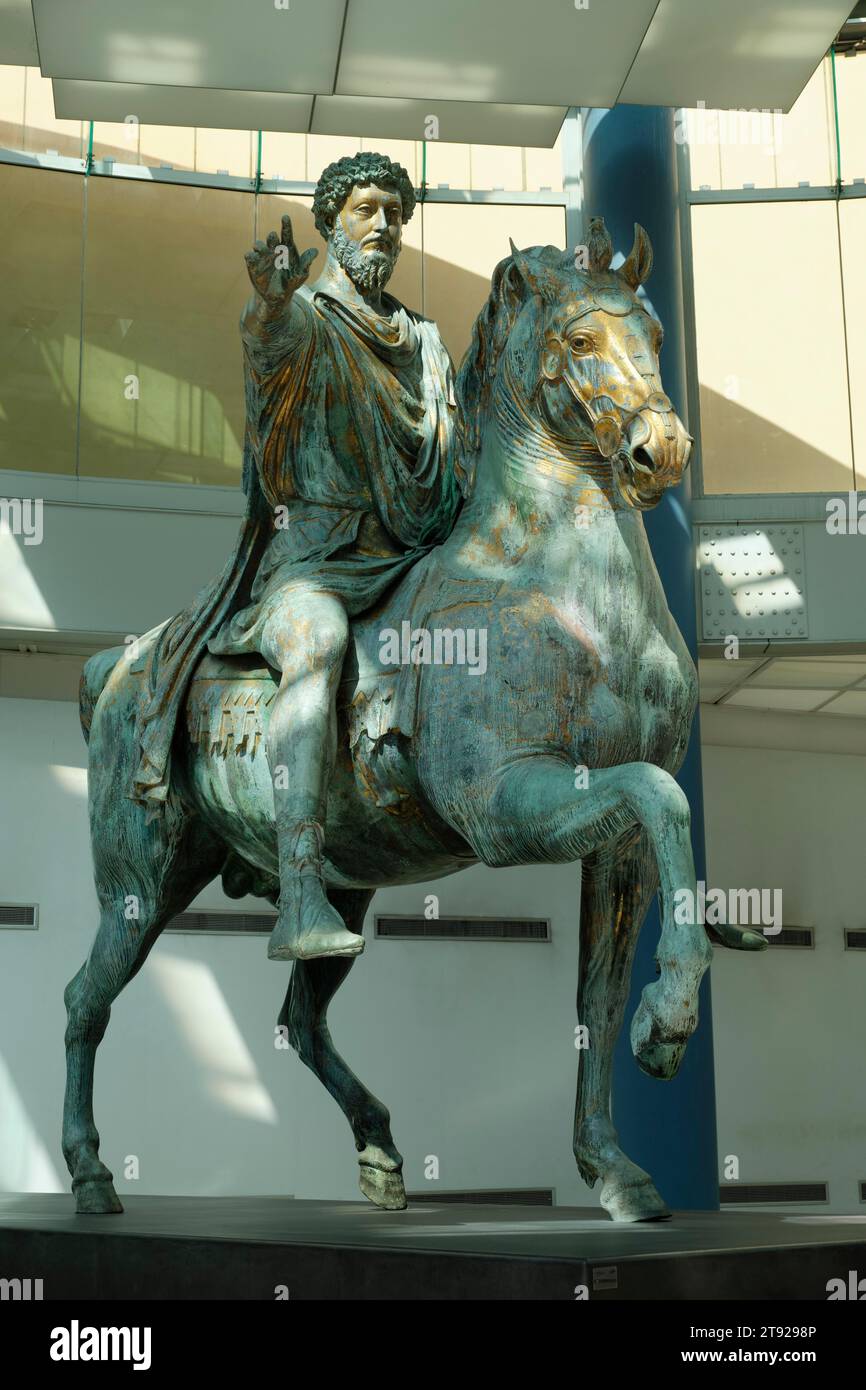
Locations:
{"points": [[304, 1015], [151, 875], [618, 884]]}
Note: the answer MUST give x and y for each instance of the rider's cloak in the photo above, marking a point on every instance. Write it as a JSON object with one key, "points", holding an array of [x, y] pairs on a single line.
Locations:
{"points": [[350, 417]]}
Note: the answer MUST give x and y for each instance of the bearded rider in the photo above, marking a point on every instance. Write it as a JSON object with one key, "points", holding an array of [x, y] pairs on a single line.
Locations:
{"points": [[351, 449]]}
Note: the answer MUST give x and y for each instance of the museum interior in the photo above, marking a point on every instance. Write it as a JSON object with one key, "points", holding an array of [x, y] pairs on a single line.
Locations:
{"points": [[144, 150]]}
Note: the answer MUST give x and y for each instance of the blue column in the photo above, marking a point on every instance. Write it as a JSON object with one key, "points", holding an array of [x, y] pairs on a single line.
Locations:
{"points": [[629, 174]]}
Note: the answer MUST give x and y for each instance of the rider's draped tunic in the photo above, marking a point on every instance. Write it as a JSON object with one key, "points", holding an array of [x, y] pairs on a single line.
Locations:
{"points": [[351, 423]]}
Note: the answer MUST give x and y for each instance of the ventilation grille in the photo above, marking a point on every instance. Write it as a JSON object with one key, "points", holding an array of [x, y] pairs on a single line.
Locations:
{"points": [[793, 936], [767, 1193], [22, 915], [233, 923], [509, 1197], [855, 939], [464, 928], [863, 1192]]}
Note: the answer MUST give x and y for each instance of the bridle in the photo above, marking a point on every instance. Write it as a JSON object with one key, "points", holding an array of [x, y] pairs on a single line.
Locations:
{"points": [[608, 428]]}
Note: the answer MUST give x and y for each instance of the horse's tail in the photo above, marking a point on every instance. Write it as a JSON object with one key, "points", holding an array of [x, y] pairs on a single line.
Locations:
{"points": [[96, 671]]}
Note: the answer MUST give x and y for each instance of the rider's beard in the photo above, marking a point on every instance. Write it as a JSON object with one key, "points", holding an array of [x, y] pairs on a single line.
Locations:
{"points": [[368, 270]]}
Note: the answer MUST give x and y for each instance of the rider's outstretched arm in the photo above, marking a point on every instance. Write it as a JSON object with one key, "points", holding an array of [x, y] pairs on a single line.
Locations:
{"points": [[273, 318]]}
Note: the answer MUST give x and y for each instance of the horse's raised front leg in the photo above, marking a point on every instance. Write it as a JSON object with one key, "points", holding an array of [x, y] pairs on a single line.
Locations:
{"points": [[618, 884], [304, 1015], [541, 812]]}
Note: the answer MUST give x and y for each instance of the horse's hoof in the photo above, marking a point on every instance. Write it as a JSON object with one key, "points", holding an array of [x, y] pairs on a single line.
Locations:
{"points": [[381, 1180], [384, 1190], [660, 1060], [637, 1202], [96, 1197], [656, 1054]]}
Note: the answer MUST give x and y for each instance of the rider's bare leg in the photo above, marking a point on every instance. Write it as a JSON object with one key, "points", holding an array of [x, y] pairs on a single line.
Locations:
{"points": [[306, 641]]}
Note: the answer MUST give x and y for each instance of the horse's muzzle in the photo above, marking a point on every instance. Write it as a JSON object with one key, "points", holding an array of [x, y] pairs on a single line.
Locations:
{"points": [[654, 457]]}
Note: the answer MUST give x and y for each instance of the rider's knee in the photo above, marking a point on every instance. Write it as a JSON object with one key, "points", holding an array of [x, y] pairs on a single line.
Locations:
{"points": [[315, 639], [325, 644]]}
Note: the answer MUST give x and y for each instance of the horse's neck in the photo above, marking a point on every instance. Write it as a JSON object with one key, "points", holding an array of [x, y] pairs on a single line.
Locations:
{"points": [[551, 508]]}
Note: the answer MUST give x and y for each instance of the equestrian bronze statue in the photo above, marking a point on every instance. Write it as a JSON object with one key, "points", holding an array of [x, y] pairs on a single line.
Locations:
{"points": [[277, 735]]}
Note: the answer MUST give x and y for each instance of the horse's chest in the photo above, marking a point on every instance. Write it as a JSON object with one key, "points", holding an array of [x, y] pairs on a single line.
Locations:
{"points": [[640, 711], [608, 694]]}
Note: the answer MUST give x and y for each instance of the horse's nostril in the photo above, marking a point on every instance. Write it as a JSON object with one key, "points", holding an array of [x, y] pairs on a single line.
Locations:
{"points": [[643, 460]]}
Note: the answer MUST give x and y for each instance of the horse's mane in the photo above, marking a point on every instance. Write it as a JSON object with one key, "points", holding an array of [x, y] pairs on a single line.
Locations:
{"points": [[477, 373]]}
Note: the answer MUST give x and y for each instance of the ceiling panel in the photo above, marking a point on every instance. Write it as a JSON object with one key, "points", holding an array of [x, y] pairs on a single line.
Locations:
{"points": [[468, 122], [183, 106], [800, 700], [543, 53], [809, 673], [355, 117], [732, 53], [510, 54], [853, 702], [17, 36], [197, 43], [718, 675]]}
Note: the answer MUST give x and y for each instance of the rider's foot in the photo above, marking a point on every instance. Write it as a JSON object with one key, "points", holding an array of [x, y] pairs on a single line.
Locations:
{"points": [[308, 926]]}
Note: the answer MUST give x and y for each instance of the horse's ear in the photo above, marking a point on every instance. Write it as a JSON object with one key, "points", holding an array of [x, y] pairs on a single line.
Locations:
{"points": [[537, 278], [637, 268]]}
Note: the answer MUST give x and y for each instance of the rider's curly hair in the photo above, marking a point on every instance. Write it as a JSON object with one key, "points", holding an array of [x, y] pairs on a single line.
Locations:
{"points": [[356, 171]]}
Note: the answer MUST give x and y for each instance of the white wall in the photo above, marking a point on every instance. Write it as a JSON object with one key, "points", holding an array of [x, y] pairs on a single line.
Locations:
{"points": [[470, 1045], [790, 1025]]}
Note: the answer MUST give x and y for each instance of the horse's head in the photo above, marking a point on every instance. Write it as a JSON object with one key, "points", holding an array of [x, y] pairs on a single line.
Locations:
{"points": [[577, 351]]}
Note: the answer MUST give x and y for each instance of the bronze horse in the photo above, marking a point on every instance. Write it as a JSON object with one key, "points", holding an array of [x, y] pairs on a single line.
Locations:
{"points": [[565, 748]]}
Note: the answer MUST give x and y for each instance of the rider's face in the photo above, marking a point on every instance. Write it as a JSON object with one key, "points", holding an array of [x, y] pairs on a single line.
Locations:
{"points": [[372, 217]]}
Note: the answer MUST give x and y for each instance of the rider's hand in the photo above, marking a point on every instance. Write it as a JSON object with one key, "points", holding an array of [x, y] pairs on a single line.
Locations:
{"points": [[276, 269]]}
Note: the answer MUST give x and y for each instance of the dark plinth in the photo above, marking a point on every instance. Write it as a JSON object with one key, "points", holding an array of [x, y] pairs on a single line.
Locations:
{"points": [[242, 1248]]}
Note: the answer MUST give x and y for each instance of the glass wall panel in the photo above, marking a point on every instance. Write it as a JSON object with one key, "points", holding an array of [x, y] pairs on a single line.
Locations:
{"points": [[477, 167], [226, 151], [805, 139], [463, 244], [771, 348], [167, 144], [118, 140], [40, 277], [544, 168], [851, 100], [284, 156], [728, 149], [165, 281], [852, 221], [12, 87], [198, 149], [42, 131]]}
